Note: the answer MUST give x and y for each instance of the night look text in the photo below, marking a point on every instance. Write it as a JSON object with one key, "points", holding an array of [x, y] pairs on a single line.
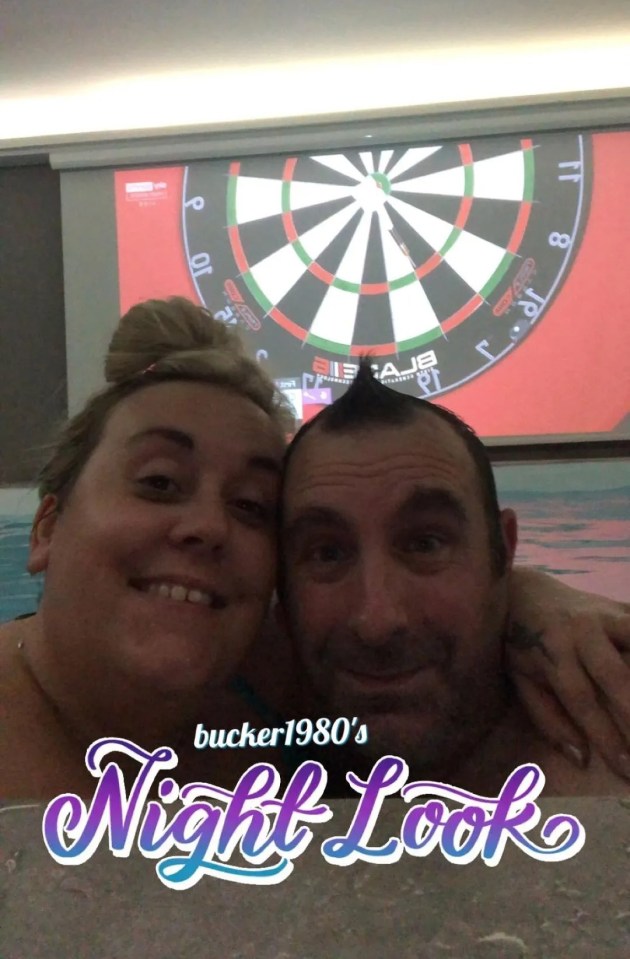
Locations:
{"points": [[257, 831]]}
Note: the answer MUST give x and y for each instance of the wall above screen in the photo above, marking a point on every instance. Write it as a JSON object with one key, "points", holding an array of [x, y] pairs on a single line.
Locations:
{"points": [[92, 68]]}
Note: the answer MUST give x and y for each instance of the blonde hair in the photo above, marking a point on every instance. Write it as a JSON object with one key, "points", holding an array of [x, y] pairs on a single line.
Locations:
{"points": [[160, 341]]}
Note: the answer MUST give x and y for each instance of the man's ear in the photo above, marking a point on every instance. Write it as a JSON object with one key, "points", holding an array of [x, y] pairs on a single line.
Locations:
{"points": [[41, 534], [509, 529]]}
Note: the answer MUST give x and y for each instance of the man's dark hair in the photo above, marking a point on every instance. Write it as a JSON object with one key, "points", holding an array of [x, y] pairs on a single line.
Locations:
{"points": [[368, 402]]}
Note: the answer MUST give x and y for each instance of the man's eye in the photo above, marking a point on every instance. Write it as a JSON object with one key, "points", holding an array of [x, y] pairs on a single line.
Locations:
{"points": [[425, 543], [325, 553]]}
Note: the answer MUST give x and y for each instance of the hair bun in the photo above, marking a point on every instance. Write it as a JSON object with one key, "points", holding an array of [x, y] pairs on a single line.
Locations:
{"points": [[158, 329]]}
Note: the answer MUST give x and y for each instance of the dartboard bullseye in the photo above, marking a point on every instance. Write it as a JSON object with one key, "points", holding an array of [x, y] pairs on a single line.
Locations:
{"points": [[437, 261]]}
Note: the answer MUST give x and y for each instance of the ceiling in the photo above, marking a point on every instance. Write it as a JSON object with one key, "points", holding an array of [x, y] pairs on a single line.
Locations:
{"points": [[80, 66]]}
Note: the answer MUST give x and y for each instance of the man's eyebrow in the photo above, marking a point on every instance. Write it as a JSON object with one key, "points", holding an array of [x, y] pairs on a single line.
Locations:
{"points": [[313, 517], [163, 432], [434, 499]]}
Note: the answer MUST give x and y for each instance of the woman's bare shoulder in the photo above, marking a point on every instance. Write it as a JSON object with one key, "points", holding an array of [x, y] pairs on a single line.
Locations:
{"points": [[34, 760], [11, 635]]}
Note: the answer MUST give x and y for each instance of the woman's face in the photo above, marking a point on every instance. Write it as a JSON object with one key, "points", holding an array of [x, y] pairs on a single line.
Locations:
{"points": [[163, 559]]}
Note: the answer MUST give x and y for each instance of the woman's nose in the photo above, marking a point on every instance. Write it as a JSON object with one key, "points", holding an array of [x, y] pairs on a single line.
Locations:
{"points": [[203, 524]]}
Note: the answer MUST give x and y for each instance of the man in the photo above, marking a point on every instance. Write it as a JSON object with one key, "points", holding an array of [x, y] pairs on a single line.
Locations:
{"points": [[395, 589]]}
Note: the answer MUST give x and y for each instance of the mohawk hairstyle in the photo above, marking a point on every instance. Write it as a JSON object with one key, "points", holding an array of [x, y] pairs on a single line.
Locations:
{"points": [[367, 402]]}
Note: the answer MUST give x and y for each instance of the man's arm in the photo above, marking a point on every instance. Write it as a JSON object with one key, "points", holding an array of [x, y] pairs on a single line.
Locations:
{"points": [[568, 652]]}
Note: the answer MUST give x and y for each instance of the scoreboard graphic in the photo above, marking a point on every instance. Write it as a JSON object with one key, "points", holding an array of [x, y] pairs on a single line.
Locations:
{"points": [[488, 276]]}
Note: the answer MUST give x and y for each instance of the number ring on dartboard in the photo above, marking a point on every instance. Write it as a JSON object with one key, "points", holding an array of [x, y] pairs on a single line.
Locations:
{"points": [[394, 250]]}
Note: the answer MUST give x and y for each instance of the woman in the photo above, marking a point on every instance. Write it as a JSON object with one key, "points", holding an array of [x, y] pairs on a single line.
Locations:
{"points": [[156, 535]]}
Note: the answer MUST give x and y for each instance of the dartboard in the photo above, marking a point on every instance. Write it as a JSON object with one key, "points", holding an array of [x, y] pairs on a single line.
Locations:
{"points": [[436, 260]]}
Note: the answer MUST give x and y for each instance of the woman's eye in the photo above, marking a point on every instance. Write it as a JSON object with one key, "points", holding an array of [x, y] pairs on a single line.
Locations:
{"points": [[159, 483], [253, 508]]}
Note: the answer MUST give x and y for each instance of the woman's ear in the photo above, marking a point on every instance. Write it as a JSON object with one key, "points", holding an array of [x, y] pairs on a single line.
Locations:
{"points": [[41, 534]]}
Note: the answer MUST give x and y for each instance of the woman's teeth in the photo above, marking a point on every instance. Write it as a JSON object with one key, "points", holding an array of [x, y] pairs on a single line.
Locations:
{"points": [[182, 595]]}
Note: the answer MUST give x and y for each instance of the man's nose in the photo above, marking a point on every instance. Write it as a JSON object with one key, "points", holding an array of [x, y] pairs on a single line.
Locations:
{"points": [[202, 523], [378, 606]]}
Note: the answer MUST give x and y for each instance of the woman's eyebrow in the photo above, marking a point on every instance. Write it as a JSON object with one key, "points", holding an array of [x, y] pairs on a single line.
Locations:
{"points": [[267, 463], [257, 461], [184, 440]]}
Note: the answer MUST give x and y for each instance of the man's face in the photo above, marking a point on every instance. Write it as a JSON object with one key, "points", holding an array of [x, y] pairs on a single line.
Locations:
{"points": [[391, 596]]}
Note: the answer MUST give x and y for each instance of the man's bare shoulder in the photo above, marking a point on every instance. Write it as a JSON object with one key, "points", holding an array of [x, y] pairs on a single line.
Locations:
{"points": [[565, 779], [515, 742], [562, 777]]}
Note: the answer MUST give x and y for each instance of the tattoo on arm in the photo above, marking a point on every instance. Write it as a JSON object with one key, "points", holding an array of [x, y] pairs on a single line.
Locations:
{"points": [[523, 639]]}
